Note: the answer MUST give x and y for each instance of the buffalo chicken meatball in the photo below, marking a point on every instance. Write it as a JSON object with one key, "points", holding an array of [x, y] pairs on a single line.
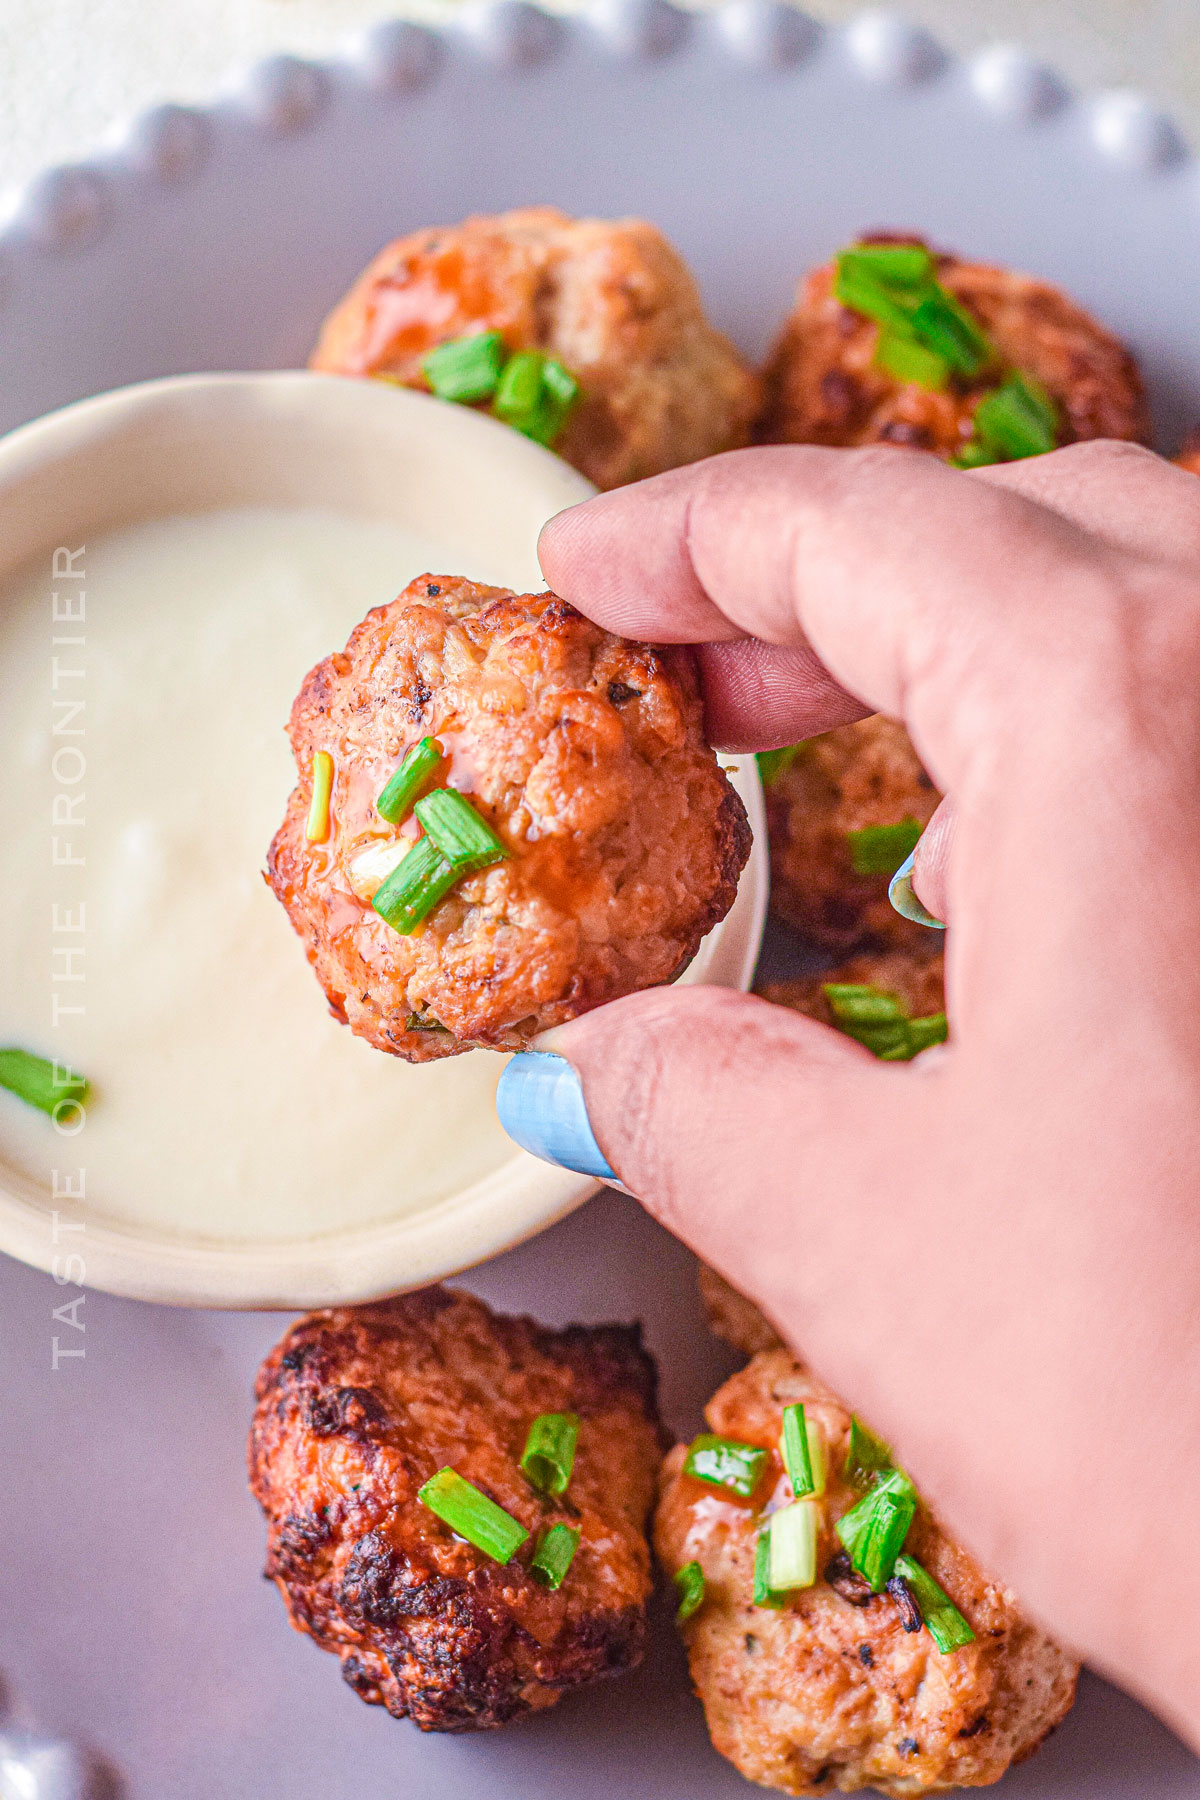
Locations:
{"points": [[825, 385], [833, 1686], [608, 300], [830, 863], [360, 1407], [913, 979], [617, 841]]}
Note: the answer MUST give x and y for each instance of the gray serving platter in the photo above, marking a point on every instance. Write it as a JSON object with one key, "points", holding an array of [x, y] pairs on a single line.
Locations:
{"points": [[132, 1616]]}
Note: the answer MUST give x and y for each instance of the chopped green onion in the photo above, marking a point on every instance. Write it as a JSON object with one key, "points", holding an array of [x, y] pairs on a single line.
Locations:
{"points": [[874, 1529], [317, 828], [535, 395], [899, 265], [725, 1463], [395, 802], [466, 368], [907, 360], [549, 1453], [792, 1534], [862, 291], [41, 1082], [975, 455], [772, 763], [418, 882], [690, 1582], [793, 1448], [942, 325], [762, 1570], [1017, 419], [554, 1555], [880, 849], [880, 1022], [462, 837], [947, 1627], [461, 1506], [866, 1455]]}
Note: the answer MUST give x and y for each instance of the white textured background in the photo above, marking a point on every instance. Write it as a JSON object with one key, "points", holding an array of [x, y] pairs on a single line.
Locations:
{"points": [[71, 69]]}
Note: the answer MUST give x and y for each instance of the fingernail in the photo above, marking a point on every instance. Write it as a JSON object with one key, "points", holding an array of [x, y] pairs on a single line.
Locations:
{"points": [[540, 1104], [902, 897]]}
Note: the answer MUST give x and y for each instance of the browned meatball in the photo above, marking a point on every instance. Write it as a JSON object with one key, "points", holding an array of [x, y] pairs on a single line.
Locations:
{"points": [[584, 752], [830, 1691], [857, 776], [918, 981], [733, 1318], [823, 387], [609, 298], [359, 1407]]}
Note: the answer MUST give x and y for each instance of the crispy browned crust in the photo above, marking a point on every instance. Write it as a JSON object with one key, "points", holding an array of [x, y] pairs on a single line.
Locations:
{"points": [[822, 387], [862, 774], [830, 1693], [611, 298], [358, 1407], [584, 751]]}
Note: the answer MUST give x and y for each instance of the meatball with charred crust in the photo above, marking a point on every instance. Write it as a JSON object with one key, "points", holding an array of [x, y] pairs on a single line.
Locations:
{"points": [[836, 1688], [917, 982], [825, 386], [608, 298], [835, 788], [622, 840], [359, 1407]]}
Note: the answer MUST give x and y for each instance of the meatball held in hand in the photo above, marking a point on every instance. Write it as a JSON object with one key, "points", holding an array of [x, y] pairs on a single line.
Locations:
{"points": [[812, 1681], [608, 301], [524, 820], [995, 366], [489, 1594]]}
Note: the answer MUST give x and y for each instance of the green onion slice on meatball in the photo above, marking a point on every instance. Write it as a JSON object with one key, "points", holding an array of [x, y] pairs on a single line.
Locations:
{"points": [[466, 369], [866, 1455], [395, 802], [880, 1022], [549, 1453], [946, 1625], [690, 1582], [554, 1555], [461, 1506], [725, 1463], [874, 1530]]}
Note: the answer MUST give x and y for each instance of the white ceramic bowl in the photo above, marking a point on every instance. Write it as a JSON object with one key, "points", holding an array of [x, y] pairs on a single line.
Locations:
{"points": [[205, 441]]}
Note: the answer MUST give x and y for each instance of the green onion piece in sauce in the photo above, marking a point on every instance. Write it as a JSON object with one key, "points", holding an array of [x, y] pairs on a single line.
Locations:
{"points": [[762, 1570], [465, 840], [792, 1559], [536, 395], [419, 881], [466, 368], [866, 1455], [874, 1530], [905, 360], [933, 1029], [41, 1082], [880, 1022], [461, 1506], [554, 1555], [725, 1463], [880, 849], [690, 1582], [1018, 419], [942, 325], [772, 763], [418, 764], [549, 1453], [793, 1448], [946, 1625], [897, 265], [316, 829]]}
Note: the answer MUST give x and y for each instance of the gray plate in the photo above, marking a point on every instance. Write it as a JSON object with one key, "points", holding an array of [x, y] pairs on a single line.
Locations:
{"points": [[131, 1613]]}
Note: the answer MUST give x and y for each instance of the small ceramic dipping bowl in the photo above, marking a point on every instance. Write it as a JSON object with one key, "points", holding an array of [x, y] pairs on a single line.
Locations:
{"points": [[138, 834]]}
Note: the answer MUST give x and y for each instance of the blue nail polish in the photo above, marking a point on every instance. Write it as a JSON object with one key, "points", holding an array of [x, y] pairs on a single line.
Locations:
{"points": [[540, 1105], [900, 893]]}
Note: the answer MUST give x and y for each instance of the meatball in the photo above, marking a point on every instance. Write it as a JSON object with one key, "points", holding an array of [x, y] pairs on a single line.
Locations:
{"points": [[358, 1407], [1189, 455], [585, 753], [830, 1691], [861, 775], [609, 298], [917, 981], [822, 385]]}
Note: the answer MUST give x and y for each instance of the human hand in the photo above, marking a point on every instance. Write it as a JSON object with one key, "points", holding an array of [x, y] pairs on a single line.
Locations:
{"points": [[994, 1251]]}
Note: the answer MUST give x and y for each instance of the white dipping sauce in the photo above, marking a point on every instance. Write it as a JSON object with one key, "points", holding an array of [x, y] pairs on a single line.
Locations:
{"points": [[227, 1103]]}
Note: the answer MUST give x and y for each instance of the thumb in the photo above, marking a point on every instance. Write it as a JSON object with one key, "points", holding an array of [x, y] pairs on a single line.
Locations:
{"points": [[769, 1143]]}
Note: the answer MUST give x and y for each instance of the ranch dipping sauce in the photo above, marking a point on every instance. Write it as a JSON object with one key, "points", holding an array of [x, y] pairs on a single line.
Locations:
{"points": [[226, 1102]]}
